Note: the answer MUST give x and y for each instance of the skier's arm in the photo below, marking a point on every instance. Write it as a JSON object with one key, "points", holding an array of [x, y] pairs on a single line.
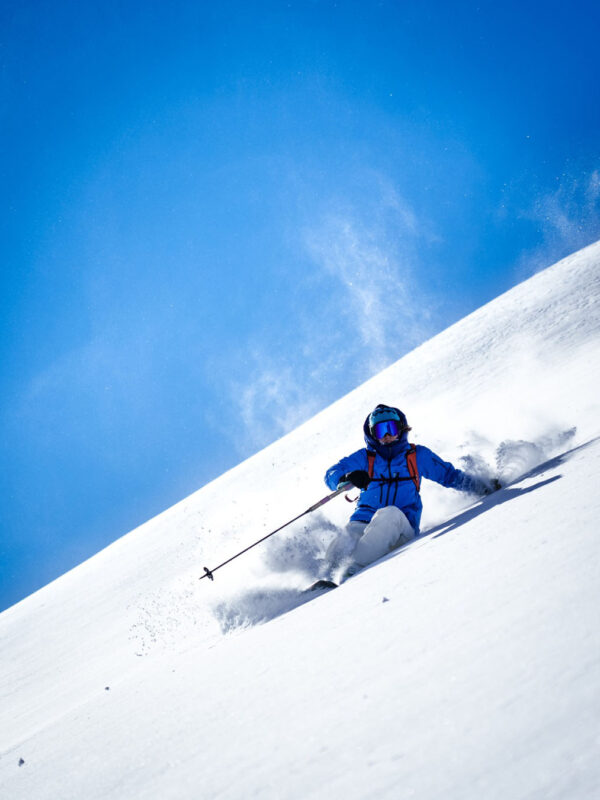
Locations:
{"points": [[356, 461], [436, 469]]}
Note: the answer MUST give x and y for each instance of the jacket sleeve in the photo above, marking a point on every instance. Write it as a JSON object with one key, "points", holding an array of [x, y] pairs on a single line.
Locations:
{"points": [[436, 469], [357, 460]]}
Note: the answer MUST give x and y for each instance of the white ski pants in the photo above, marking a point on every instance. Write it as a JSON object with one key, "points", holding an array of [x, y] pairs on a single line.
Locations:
{"points": [[364, 543]]}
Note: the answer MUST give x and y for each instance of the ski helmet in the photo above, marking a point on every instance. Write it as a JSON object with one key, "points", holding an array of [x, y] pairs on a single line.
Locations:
{"points": [[385, 413]]}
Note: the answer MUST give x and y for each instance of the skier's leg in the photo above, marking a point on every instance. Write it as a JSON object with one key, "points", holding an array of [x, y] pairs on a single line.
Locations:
{"points": [[341, 547], [389, 528]]}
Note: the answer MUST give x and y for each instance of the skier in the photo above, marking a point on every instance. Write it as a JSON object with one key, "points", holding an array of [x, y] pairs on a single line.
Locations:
{"points": [[388, 474]]}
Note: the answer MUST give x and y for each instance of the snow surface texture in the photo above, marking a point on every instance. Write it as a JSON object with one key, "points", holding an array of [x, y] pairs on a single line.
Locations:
{"points": [[466, 664]]}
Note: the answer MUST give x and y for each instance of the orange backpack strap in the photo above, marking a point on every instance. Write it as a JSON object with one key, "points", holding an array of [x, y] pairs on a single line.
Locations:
{"points": [[411, 463], [413, 469], [371, 462]]}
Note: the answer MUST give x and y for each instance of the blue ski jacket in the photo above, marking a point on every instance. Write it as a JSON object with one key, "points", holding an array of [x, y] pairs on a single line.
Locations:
{"points": [[392, 484]]}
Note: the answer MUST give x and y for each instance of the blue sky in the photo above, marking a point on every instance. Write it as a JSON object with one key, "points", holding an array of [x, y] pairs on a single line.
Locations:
{"points": [[219, 218]]}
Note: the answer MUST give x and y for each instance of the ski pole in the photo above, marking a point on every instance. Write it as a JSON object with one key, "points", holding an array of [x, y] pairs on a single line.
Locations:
{"points": [[208, 573]]}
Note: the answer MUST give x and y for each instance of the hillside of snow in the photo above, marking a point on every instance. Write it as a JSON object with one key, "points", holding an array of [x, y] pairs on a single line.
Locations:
{"points": [[466, 664]]}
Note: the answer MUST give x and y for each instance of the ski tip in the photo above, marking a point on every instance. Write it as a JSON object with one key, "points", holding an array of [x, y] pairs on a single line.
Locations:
{"points": [[322, 584]]}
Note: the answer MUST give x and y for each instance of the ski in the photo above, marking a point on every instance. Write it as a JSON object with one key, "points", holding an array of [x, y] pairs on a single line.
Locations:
{"points": [[321, 584]]}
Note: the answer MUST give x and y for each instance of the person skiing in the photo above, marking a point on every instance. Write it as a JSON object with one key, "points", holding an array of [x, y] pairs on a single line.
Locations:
{"points": [[388, 473]]}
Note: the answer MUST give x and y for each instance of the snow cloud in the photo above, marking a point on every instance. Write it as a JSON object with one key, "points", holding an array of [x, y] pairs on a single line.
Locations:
{"points": [[569, 218], [273, 401], [373, 285], [358, 308]]}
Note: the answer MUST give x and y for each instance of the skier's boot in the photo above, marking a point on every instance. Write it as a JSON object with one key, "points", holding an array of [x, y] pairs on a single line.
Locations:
{"points": [[348, 570]]}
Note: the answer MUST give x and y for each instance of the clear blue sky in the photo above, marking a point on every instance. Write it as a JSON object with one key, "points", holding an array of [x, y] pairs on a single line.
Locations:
{"points": [[220, 217]]}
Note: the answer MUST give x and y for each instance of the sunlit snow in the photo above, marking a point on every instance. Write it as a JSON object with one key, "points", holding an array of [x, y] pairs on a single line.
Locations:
{"points": [[466, 664]]}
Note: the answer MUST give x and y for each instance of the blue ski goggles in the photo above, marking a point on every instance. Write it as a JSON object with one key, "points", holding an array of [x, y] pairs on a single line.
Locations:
{"points": [[391, 426]]}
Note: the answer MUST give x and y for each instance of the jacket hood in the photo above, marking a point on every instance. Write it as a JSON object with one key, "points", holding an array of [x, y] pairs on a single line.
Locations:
{"points": [[387, 451]]}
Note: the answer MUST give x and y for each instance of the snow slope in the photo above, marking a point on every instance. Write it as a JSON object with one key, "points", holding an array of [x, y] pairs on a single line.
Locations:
{"points": [[464, 665]]}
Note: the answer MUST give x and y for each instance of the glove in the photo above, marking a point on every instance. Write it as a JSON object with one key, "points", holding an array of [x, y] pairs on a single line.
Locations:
{"points": [[359, 478]]}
